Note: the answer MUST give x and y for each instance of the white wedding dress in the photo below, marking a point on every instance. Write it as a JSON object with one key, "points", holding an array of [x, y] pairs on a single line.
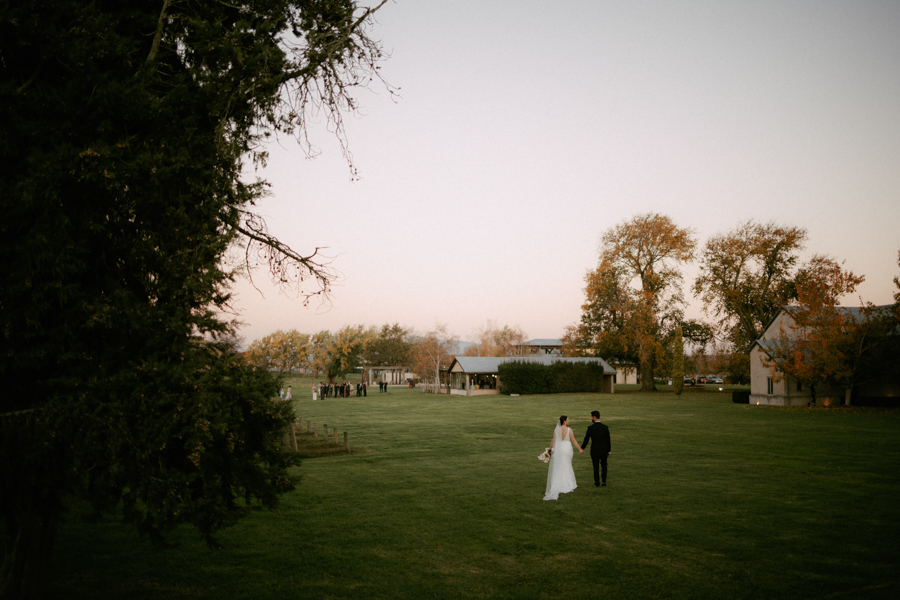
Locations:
{"points": [[560, 476]]}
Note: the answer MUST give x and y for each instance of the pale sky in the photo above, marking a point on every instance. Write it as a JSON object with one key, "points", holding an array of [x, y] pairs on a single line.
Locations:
{"points": [[524, 130]]}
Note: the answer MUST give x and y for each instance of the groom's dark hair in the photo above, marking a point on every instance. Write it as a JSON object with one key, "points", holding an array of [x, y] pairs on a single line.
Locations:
{"points": [[595, 413]]}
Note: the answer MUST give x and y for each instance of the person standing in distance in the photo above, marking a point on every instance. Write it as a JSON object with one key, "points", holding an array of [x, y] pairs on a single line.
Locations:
{"points": [[598, 433]]}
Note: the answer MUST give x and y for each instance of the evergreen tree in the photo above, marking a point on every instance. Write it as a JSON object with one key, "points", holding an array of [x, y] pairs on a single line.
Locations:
{"points": [[125, 128]]}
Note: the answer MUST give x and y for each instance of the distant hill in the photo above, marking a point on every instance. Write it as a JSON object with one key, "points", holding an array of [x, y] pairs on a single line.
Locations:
{"points": [[464, 345]]}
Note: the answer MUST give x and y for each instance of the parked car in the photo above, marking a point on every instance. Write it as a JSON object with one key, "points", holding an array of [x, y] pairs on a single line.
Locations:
{"points": [[701, 379], [688, 380], [714, 379]]}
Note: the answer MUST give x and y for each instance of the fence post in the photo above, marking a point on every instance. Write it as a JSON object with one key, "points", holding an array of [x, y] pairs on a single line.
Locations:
{"points": [[308, 425], [346, 442], [294, 438], [315, 431]]}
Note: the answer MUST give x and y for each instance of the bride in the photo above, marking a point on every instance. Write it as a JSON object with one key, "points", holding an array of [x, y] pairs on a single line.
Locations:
{"points": [[560, 476]]}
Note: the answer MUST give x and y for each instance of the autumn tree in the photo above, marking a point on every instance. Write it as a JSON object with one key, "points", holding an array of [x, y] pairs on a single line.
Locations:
{"points": [[634, 299], [282, 350], [746, 276], [434, 352], [892, 350], [261, 352], [344, 350], [828, 344], [389, 346], [291, 350], [496, 341], [127, 131], [605, 325], [319, 352]]}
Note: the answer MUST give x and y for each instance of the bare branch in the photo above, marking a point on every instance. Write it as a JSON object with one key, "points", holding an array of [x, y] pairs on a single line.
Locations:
{"points": [[329, 66], [287, 267]]}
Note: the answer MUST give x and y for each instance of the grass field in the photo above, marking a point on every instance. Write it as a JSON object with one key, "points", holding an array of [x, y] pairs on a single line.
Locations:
{"points": [[442, 498]]}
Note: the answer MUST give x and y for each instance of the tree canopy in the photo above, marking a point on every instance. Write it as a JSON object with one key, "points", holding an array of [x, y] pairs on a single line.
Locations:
{"points": [[747, 275], [389, 346], [126, 127], [434, 352], [626, 323], [496, 341]]}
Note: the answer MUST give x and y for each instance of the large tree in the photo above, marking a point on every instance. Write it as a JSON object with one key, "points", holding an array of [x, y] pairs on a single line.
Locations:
{"points": [[634, 300], [747, 275], [262, 352], [282, 350], [125, 129], [432, 353], [496, 341], [345, 350], [390, 346], [605, 325]]}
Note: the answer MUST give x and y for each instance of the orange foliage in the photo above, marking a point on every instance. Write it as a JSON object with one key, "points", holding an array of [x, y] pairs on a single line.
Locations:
{"points": [[829, 344]]}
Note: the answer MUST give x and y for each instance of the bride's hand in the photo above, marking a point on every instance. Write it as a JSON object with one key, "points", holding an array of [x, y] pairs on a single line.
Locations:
{"points": [[580, 451]]}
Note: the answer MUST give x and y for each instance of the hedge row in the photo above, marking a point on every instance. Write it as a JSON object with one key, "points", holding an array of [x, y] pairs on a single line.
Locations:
{"points": [[523, 377], [740, 397]]}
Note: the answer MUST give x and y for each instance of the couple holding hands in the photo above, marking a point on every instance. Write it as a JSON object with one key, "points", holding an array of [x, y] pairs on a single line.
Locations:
{"points": [[560, 476]]}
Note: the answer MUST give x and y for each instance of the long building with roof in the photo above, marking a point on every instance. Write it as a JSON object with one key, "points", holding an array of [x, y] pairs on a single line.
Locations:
{"points": [[541, 346], [479, 375]]}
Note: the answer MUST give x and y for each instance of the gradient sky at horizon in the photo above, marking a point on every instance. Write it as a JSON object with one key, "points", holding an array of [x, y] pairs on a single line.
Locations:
{"points": [[524, 130]]}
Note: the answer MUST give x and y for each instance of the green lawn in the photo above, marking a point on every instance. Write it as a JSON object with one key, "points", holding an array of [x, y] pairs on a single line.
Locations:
{"points": [[443, 499]]}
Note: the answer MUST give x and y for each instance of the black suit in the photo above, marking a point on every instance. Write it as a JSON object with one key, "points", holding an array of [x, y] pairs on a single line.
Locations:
{"points": [[598, 433]]}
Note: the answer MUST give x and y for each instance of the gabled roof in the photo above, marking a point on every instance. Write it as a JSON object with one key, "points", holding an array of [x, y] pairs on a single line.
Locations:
{"points": [[491, 364], [542, 342], [854, 311], [765, 345]]}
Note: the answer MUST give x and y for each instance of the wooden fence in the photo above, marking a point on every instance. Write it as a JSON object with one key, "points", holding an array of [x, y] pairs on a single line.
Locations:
{"points": [[313, 428]]}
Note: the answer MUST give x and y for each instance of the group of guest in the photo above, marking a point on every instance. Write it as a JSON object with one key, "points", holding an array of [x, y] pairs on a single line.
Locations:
{"points": [[340, 390]]}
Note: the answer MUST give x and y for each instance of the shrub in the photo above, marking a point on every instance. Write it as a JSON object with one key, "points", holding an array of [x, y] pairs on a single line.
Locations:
{"points": [[740, 397], [524, 377]]}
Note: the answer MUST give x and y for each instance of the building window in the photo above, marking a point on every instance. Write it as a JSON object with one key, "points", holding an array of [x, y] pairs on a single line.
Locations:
{"points": [[770, 386]]}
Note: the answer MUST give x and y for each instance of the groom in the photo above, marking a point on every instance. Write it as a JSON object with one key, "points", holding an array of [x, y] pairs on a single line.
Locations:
{"points": [[600, 449]]}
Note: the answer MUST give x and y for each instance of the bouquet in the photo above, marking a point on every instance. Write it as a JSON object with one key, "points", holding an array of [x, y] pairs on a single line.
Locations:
{"points": [[546, 455]]}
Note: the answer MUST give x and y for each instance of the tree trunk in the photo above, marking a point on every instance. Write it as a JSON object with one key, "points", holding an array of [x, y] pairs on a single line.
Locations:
{"points": [[678, 363], [25, 564], [647, 383], [847, 394]]}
